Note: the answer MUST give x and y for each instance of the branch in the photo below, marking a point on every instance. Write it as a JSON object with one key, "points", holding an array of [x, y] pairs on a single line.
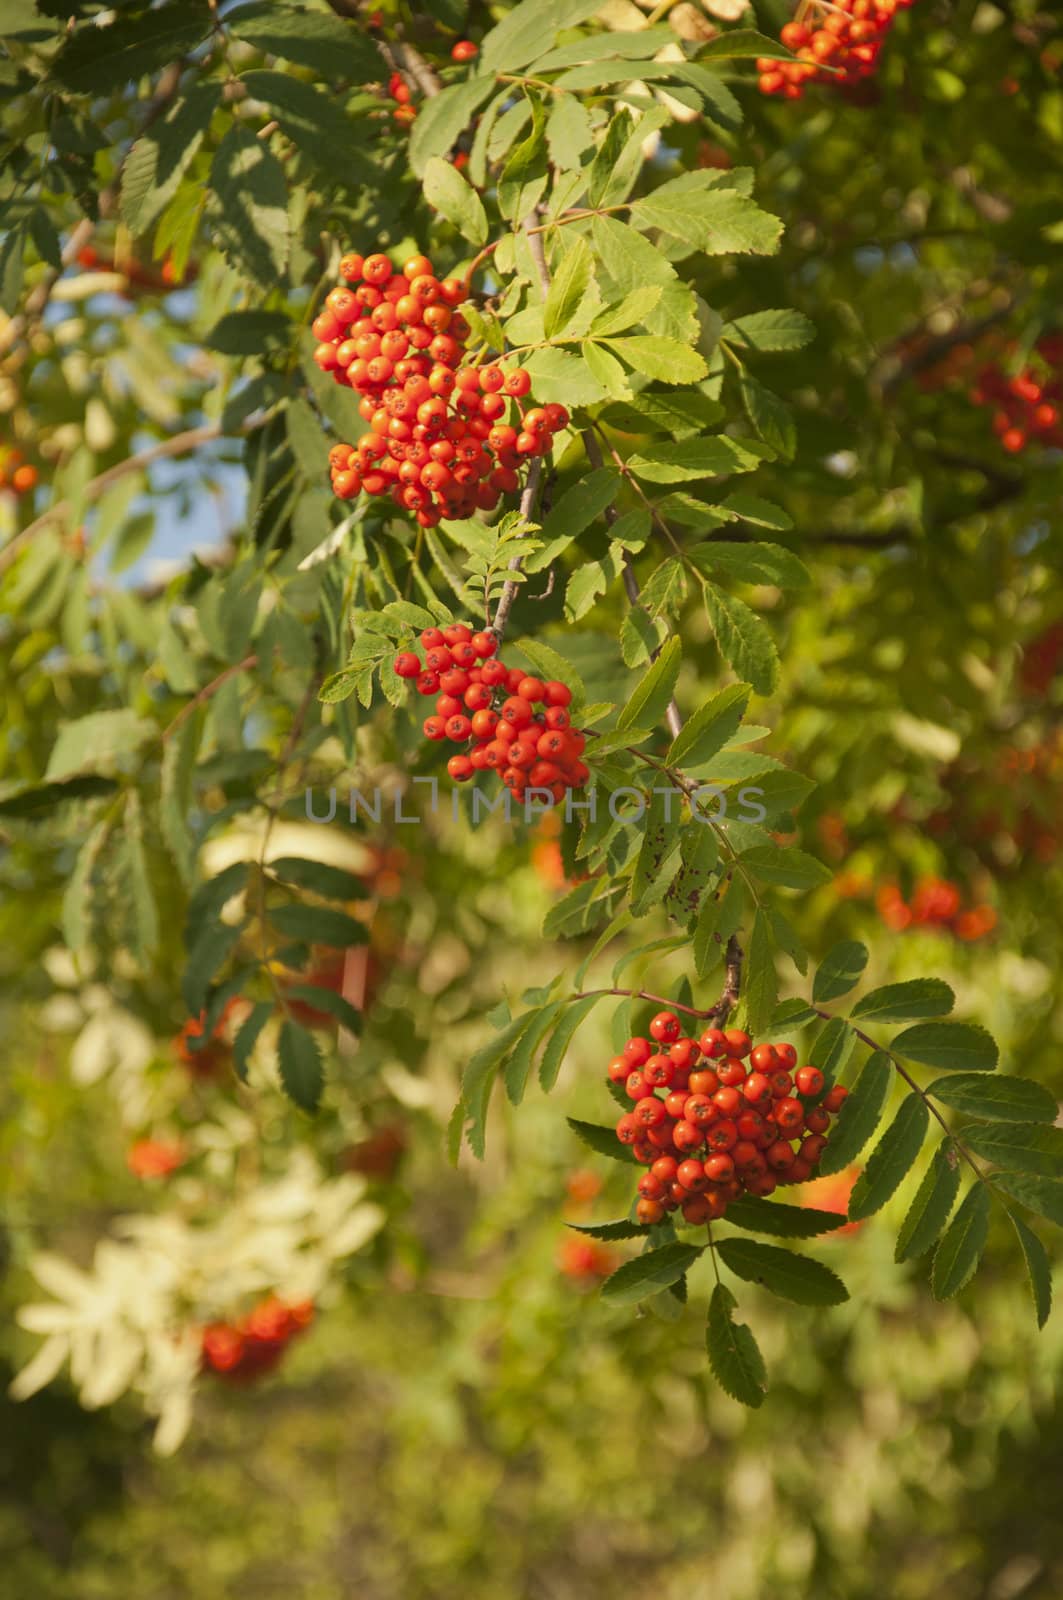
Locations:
{"points": [[207, 693], [175, 446]]}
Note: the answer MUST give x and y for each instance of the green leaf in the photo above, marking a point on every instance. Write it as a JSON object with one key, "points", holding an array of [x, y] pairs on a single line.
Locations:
{"points": [[1043, 1195], [145, 916], [582, 909], [682, 416], [602, 1139], [98, 60], [43, 798], [749, 563], [859, 1116], [577, 508], [783, 1272], [717, 221], [736, 44], [331, 47], [932, 1206], [1029, 1147], [313, 120], [1038, 1269], [320, 998], [554, 1054], [770, 330], [770, 416], [654, 1270], [318, 925], [249, 333], [78, 896], [523, 179], [522, 34], [782, 1221], [906, 1002], [891, 1160], [159, 159], [251, 216], [840, 970], [952, 1046], [100, 739], [569, 289], [568, 133], [759, 979], [744, 640], [631, 261], [248, 1036], [665, 360], [833, 1048], [609, 1230], [318, 877], [301, 1068], [786, 866], [626, 313], [655, 689], [479, 1075], [996, 1099], [443, 117], [207, 955], [960, 1250], [658, 859], [455, 199], [519, 1065], [736, 1362], [697, 458]]}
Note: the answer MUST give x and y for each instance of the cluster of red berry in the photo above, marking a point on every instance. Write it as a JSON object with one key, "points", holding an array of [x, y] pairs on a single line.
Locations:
{"points": [[135, 273], [400, 91], [490, 708], [242, 1351], [15, 473], [444, 440], [837, 43], [936, 903], [709, 1133], [1029, 405]]}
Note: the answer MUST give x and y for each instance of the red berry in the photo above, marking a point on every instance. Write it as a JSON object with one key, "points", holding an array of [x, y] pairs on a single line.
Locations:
{"points": [[809, 1080], [638, 1051], [665, 1027], [738, 1042], [407, 664], [464, 50]]}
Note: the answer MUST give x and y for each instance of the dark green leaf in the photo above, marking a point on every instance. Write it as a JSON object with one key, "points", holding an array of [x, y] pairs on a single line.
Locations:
{"points": [[960, 1250], [859, 1116], [654, 1270], [554, 1054], [301, 1068], [318, 925], [839, 971], [782, 1221], [953, 1046], [932, 1206], [1029, 1147], [331, 47], [1038, 1269], [783, 1272], [609, 1230], [1043, 1195], [655, 689], [736, 1362], [996, 1099], [97, 60], [318, 877], [906, 1002], [891, 1160], [251, 216]]}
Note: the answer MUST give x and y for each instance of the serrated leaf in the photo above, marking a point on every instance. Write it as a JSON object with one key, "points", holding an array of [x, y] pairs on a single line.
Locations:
{"points": [[569, 289], [319, 998], [751, 562], [786, 866], [745, 642], [626, 313], [932, 1206], [562, 1036], [658, 859], [647, 1273], [996, 1099], [332, 47], [318, 925], [608, 1231], [736, 1362], [206, 956], [696, 458], [833, 1048], [159, 159], [1038, 1269], [711, 727], [759, 978], [448, 192], [97, 60], [783, 1272], [718, 221], [602, 1139], [906, 1002], [443, 117], [577, 508], [840, 970], [99, 739], [782, 1221], [583, 908], [334, 883], [960, 1250], [248, 1035], [891, 1160], [664, 360], [479, 1075], [251, 217], [631, 261], [650, 700], [518, 1067], [740, 44], [770, 330], [1028, 1147], [952, 1046], [770, 416], [301, 1069], [1043, 1195], [42, 798], [859, 1116]]}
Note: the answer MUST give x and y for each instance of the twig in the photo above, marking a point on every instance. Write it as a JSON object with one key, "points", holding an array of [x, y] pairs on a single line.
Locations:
{"points": [[164, 448], [723, 1005], [207, 693]]}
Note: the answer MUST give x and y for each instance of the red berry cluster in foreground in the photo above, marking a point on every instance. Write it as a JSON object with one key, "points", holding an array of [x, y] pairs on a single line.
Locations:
{"points": [[1027, 406], [490, 709], [242, 1351], [845, 38], [711, 1128], [444, 439]]}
